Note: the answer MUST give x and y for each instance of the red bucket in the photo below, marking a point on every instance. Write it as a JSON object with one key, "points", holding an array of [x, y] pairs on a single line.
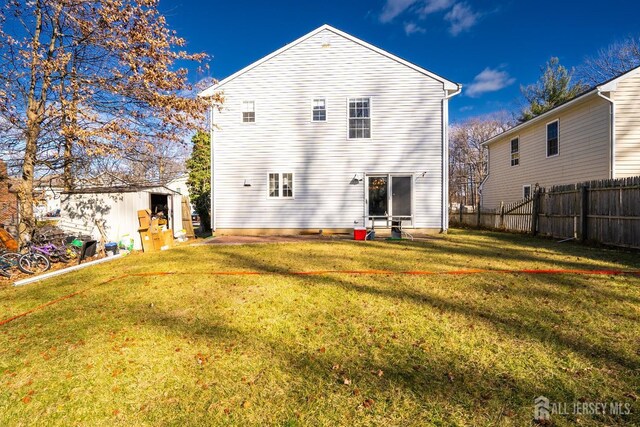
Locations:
{"points": [[359, 233]]}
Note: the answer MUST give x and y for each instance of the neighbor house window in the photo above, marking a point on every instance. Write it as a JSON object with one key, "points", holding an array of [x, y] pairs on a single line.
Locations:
{"points": [[281, 185], [360, 118], [319, 110], [515, 151], [248, 111], [526, 191], [553, 138]]}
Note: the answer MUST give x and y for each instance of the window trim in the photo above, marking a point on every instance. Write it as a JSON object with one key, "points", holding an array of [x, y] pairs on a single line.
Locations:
{"points": [[530, 193], [242, 111], [546, 138], [281, 186], [370, 98], [326, 114]]}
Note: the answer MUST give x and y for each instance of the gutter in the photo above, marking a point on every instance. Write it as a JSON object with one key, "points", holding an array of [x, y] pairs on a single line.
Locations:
{"points": [[612, 118], [445, 157]]}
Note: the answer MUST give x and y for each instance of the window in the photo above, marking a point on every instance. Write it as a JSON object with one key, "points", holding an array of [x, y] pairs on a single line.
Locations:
{"points": [[526, 191], [281, 185], [359, 118], [515, 151], [553, 138], [319, 110], [248, 111]]}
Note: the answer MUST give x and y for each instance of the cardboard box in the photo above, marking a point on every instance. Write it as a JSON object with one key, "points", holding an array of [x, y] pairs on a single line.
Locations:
{"points": [[157, 241], [154, 227], [167, 237], [144, 218], [147, 241]]}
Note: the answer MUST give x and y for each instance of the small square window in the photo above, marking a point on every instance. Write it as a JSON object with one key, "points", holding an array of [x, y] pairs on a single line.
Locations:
{"points": [[515, 152], [248, 111], [319, 110], [280, 185]]}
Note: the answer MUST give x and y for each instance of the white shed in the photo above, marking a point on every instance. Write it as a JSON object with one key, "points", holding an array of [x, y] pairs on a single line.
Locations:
{"points": [[82, 209]]}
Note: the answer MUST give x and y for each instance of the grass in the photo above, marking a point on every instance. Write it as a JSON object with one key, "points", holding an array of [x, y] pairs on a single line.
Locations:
{"points": [[348, 349]]}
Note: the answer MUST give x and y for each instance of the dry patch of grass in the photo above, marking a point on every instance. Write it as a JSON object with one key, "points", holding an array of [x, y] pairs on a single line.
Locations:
{"points": [[276, 349]]}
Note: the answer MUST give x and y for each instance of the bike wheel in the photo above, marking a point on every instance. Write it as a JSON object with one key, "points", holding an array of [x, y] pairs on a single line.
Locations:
{"points": [[33, 263], [11, 258]]}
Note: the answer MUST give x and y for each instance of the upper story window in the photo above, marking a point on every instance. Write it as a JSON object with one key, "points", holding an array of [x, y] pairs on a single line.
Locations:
{"points": [[281, 185], [515, 151], [553, 138], [526, 191], [248, 111], [359, 118], [319, 110]]}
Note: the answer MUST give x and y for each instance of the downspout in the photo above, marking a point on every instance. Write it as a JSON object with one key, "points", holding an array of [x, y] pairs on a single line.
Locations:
{"points": [[445, 158], [612, 118]]}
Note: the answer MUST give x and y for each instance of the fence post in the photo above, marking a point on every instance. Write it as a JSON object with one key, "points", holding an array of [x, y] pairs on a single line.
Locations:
{"points": [[584, 212], [478, 210], [535, 208], [461, 211], [501, 225]]}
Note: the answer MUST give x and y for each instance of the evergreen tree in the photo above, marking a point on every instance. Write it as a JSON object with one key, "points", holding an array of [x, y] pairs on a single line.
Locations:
{"points": [[199, 167], [552, 89]]}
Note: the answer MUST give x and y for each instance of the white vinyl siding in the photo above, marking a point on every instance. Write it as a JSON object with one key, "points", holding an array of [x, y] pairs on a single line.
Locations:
{"points": [[627, 127], [407, 138], [584, 154]]}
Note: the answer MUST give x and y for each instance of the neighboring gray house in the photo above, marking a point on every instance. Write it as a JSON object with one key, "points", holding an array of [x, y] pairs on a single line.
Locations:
{"points": [[330, 132], [594, 136]]}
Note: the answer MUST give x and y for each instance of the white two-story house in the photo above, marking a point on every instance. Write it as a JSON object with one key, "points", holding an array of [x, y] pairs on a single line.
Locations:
{"points": [[594, 136], [329, 133]]}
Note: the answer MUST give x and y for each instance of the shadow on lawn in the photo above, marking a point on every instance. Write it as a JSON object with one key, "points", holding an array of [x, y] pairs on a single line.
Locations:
{"points": [[530, 319], [510, 311]]}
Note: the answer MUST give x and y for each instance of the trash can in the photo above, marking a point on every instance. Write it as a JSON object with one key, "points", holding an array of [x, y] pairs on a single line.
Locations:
{"points": [[111, 248], [359, 233]]}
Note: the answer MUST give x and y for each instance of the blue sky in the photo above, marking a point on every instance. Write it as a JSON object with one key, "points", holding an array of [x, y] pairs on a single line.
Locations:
{"points": [[491, 47]]}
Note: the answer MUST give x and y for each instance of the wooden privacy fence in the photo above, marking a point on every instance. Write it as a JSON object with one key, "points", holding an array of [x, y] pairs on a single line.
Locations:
{"points": [[604, 211]]}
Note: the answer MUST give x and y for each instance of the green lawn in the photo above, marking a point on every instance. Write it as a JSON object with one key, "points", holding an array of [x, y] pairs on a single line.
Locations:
{"points": [[350, 349]]}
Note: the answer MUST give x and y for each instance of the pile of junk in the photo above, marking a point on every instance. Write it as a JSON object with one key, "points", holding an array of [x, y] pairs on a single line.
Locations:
{"points": [[154, 232]]}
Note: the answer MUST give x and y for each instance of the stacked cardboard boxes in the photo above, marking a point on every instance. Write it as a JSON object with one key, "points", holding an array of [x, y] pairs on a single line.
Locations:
{"points": [[153, 236]]}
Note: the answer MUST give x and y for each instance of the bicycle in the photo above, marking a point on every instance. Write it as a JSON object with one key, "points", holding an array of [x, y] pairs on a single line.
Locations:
{"points": [[8, 262], [33, 261]]}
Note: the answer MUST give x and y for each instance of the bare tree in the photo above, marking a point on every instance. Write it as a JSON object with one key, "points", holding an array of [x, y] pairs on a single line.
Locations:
{"points": [[83, 79], [468, 158], [618, 58]]}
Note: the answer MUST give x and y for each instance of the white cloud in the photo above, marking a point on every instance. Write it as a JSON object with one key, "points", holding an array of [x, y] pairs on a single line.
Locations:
{"points": [[412, 28], [489, 80], [461, 18], [393, 8], [465, 108], [432, 6], [459, 15]]}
